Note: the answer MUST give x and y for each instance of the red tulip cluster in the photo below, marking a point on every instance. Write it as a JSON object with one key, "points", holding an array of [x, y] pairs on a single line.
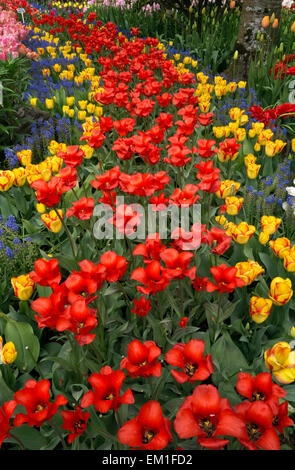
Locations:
{"points": [[67, 307]]}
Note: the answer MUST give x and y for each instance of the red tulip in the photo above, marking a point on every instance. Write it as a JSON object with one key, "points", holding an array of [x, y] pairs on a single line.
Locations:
{"points": [[258, 432], [82, 209], [207, 416], [225, 279], [149, 430], [105, 395], [142, 359], [75, 422], [35, 398], [46, 272], [189, 358]]}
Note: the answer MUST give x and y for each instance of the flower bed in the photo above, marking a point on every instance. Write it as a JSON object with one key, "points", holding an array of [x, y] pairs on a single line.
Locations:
{"points": [[126, 332]]}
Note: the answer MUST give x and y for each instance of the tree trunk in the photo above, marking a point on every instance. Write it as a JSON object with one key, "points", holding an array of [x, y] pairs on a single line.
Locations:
{"points": [[250, 24]]}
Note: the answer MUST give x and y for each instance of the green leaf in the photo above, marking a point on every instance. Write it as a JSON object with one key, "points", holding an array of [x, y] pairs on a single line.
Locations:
{"points": [[270, 264], [229, 357], [26, 343], [31, 438], [6, 393], [66, 365], [290, 389]]}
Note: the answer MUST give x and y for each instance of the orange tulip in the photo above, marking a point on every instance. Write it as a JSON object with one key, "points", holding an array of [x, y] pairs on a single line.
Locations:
{"points": [[265, 22], [275, 23]]}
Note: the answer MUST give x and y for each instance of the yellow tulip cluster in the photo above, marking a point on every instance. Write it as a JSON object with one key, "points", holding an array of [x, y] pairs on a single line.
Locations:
{"points": [[80, 5]]}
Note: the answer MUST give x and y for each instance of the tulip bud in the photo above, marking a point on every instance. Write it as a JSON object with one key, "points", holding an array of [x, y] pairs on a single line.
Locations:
{"points": [[275, 23], [293, 27], [232, 4], [265, 22], [292, 332], [7, 352], [49, 103], [263, 238], [236, 55], [272, 18], [41, 208]]}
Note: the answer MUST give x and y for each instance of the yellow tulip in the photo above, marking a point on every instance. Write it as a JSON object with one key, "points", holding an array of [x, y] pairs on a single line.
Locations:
{"points": [[260, 309], [49, 103], [20, 176], [270, 224], [25, 157], [233, 204], [70, 100], [7, 179], [8, 353], [248, 271], [242, 233], [52, 221], [270, 148], [221, 220], [280, 291], [253, 170], [240, 134], [23, 286], [227, 188], [289, 260], [264, 238], [280, 246], [280, 360], [82, 115]]}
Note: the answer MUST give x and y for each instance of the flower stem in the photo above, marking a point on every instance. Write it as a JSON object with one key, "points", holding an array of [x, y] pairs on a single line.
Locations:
{"points": [[68, 234], [59, 434], [18, 441], [181, 298]]}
